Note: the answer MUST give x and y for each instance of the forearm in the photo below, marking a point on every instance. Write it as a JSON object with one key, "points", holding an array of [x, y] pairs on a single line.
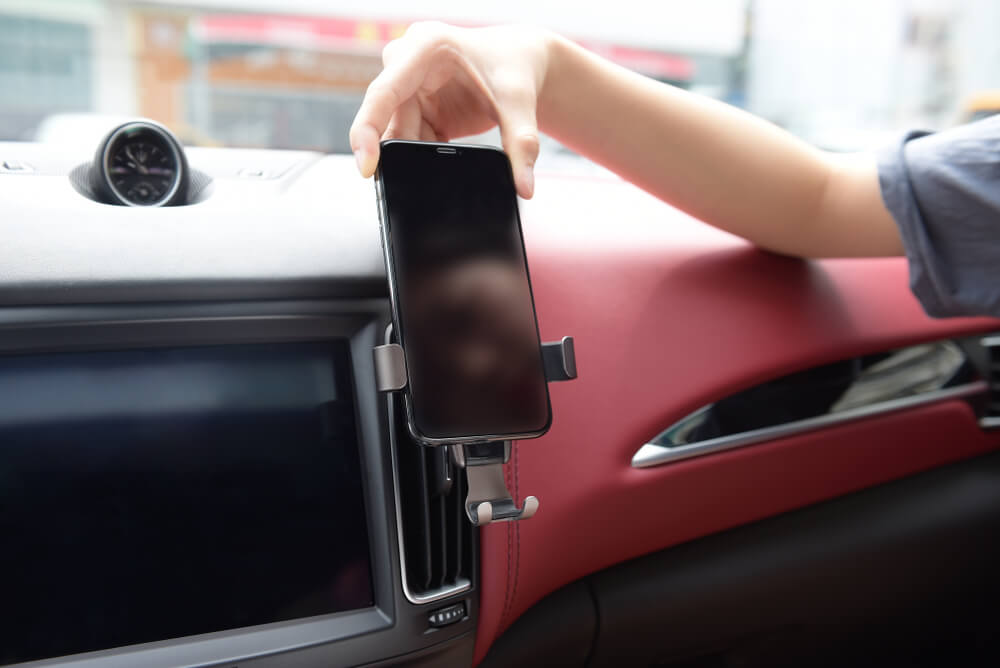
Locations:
{"points": [[720, 164]]}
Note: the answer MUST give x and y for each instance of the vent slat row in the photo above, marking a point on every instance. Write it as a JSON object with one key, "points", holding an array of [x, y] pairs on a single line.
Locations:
{"points": [[437, 536]]}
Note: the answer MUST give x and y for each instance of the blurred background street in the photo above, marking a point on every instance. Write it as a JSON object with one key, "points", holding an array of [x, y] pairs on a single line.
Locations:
{"points": [[843, 74]]}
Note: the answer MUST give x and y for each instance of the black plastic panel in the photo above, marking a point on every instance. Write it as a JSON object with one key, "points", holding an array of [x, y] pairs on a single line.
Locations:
{"points": [[907, 573], [393, 627], [558, 631], [169, 492], [456, 653]]}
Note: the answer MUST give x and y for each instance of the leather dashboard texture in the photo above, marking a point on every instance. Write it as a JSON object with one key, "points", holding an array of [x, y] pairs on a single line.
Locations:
{"points": [[668, 315]]}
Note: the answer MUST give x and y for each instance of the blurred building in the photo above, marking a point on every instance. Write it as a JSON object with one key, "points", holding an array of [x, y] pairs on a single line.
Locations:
{"points": [[46, 60], [257, 80], [291, 74]]}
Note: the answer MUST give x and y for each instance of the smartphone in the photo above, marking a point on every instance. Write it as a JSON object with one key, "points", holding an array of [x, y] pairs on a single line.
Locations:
{"points": [[461, 296]]}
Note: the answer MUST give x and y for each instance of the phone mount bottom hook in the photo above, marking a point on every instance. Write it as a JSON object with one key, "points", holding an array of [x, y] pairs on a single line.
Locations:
{"points": [[489, 500]]}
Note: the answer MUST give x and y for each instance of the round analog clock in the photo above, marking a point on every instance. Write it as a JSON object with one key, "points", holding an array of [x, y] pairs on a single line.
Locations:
{"points": [[141, 164]]}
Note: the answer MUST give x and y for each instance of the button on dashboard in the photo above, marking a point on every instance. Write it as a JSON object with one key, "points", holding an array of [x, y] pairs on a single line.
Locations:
{"points": [[16, 167], [253, 173], [445, 616]]}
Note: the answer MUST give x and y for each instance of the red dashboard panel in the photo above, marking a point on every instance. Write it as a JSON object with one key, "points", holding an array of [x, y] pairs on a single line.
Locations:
{"points": [[668, 315]]}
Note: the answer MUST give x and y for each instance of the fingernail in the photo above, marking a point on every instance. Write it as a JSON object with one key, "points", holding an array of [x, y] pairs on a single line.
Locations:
{"points": [[359, 157], [529, 180], [369, 162]]}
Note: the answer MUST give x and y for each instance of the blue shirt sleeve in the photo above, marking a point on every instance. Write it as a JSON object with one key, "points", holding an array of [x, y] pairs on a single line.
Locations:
{"points": [[943, 190]]}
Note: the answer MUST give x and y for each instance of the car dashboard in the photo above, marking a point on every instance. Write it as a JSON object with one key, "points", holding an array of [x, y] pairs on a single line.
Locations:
{"points": [[198, 470]]}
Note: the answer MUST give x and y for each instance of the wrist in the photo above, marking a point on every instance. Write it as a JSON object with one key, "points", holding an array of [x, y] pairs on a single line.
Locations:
{"points": [[557, 52]]}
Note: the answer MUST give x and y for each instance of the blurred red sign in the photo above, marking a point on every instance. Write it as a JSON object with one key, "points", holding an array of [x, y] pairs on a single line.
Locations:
{"points": [[304, 32], [357, 35]]}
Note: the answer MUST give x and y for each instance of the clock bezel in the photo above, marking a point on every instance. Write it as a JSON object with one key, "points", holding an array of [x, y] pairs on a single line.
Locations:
{"points": [[175, 192]]}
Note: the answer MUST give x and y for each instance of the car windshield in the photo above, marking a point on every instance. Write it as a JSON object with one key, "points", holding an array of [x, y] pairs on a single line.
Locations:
{"points": [[290, 74]]}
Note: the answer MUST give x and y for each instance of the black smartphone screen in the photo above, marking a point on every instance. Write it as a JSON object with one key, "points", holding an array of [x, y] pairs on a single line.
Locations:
{"points": [[462, 297]]}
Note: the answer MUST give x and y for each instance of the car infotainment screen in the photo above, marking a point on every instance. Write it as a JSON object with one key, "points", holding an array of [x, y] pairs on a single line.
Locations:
{"points": [[154, 494]]}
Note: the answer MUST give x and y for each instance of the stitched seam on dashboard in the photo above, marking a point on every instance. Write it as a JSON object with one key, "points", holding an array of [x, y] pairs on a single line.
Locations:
{"points": [[512, 478], [517, 532], [506, 596], [510, 566]]}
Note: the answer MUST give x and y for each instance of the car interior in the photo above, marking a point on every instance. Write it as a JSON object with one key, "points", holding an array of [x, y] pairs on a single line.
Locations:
{"points": [[754, 460]]}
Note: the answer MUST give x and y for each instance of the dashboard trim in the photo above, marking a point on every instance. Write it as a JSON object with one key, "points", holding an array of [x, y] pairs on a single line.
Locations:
{"points": [[652, 455], [389, 627]]}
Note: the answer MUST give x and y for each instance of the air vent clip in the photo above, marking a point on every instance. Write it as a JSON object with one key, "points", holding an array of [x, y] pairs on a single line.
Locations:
{"points": [[488, 500]]}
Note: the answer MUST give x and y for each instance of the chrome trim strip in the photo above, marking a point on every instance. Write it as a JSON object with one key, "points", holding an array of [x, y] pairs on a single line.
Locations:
{"points": [[655, 455], [461, 584], [990, 422], [990, 341]]}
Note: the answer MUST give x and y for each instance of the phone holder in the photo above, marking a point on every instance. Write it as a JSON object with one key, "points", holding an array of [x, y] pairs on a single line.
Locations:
{"points": [[488, 499]]}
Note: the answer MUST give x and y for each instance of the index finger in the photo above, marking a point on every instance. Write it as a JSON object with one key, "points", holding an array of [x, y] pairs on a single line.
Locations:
{"points": [[396, 83]]}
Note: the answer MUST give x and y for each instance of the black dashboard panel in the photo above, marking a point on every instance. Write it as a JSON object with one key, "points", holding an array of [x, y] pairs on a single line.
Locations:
{"points": [[390, 627], [160, 493]]}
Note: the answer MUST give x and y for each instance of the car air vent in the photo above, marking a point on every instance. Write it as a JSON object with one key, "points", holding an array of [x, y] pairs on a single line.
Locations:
{"points": [[437, 539], [991, 417]]}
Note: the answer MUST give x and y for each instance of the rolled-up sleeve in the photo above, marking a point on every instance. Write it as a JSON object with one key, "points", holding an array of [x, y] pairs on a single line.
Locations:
{"points": [[943, 190]]}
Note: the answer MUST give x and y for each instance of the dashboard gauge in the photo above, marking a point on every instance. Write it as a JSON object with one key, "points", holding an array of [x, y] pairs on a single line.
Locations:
{"points": [[140, 164]]}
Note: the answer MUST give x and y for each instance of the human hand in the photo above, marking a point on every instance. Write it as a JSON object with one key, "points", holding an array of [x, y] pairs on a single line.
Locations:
{"points": [[440, 82]]}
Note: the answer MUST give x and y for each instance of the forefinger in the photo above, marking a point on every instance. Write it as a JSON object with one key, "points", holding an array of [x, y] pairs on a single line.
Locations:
{"points": [[397, 83]]}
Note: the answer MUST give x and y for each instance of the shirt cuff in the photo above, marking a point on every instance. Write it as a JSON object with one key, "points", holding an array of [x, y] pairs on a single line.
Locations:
{"points": [[901, 201]]}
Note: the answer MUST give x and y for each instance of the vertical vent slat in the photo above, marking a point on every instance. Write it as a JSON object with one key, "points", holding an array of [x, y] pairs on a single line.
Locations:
{"points": [[426, 572], [436, 534], [455, 519], [438, 488], [441, 542], [992, 346]]}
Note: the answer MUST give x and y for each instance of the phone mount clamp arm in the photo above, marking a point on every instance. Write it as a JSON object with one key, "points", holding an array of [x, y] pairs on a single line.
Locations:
{"points": [[488, 500]]}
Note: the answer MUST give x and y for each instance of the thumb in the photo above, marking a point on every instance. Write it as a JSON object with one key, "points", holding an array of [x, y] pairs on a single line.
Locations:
{"points": [[519, 133]]}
